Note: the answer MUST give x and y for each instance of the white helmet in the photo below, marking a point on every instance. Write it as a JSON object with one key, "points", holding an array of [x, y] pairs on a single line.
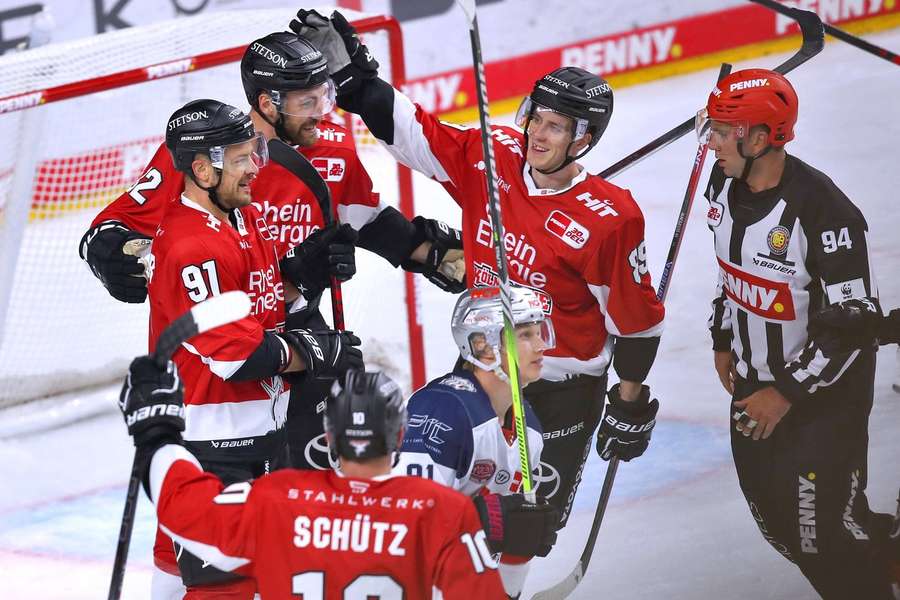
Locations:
{"points": [[477, 323]]}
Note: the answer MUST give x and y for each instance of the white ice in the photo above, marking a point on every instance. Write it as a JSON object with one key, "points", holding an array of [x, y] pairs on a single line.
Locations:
{"points": [[677, 525]]}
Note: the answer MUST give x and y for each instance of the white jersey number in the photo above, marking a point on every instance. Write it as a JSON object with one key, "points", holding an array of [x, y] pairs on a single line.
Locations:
{"points": [[151, 180], [478, 551], [311, 586], [831, 241], [196, 284]]}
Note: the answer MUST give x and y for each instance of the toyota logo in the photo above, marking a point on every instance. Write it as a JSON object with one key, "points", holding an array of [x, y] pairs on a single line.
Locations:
{"points": [[547, 474]]}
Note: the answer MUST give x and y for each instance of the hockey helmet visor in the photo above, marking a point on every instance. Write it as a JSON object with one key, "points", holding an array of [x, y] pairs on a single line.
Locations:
{"points": [[314, 102], [528, 108], [706, 128]]}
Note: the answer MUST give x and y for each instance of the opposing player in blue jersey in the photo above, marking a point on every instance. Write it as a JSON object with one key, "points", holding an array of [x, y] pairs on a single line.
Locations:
{"points": [[460, 430]]}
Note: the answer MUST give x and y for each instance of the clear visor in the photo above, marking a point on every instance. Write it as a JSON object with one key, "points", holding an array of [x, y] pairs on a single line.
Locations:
{"points": [[241, 157], [484, 347], [706, 128], [525, 112], [314, 102]]}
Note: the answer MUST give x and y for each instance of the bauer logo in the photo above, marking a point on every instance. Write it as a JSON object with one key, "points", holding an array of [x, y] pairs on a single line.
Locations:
{"points": [[771, 300], [749, 84], [331, 169], [567, 229]]}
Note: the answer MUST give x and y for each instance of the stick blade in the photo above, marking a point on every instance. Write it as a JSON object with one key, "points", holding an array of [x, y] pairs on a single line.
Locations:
{"points": [[220, 310], [468, 7]]}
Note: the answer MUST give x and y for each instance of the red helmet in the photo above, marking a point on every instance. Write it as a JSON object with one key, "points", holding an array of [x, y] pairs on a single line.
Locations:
{"points": [[756, 97]]}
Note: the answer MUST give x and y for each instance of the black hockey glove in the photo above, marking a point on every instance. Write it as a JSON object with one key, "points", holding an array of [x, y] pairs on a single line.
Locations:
{"points": [[626, 427], [121, 274], [349, 61], [445, 263], [847, 326], [324, 253], [327, 354], [516, 526], [151, 401]]}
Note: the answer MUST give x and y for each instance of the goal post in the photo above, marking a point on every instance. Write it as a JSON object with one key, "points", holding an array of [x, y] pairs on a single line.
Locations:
{"points": [[81, 120]]}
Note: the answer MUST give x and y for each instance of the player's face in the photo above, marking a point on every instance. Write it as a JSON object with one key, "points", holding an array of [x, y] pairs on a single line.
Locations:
{"points": [[239, 168], [302, 131], [303, 110], [530, 345], [723, 140], [549, 137]]}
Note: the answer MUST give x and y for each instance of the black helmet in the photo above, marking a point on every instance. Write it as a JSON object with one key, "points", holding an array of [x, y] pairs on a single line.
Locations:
{"points": [[205, 126], [281, 62], [576, 93], [364, 416]]}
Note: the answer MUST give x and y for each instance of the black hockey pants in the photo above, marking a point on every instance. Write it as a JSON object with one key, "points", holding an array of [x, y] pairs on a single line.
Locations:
{"points": [[569, 412], [805, 486]]}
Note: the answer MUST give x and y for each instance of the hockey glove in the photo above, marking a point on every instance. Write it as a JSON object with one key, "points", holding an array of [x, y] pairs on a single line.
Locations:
{"points": [[325, 253], [121, 274], [445, 264], [151, 402], [846, 326], [327, 354], [349, 61], [516, 526], [626, 427]]}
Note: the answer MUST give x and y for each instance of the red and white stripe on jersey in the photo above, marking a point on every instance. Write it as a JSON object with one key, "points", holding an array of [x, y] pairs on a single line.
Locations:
{"points": [[196, 256], [286, 204], [581, 248], [315, 532]]}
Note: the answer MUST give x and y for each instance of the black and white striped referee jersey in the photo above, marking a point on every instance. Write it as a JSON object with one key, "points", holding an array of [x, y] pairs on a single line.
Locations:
{"points": [[784, 253]]}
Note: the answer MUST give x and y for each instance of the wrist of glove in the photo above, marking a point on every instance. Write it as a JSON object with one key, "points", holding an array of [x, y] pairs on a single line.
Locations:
{"points": [[326, 354], [349, 61], [891, 328], [514, 525], [445, 264], [846, 326], [151, 402], [122, 274], [326, 253], [626, 426]]}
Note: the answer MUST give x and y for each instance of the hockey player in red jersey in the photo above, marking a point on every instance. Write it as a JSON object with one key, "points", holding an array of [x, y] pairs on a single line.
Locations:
{"points": [[789, 242], [212, 240], [575, 239], [356, 533], [289, 91]]}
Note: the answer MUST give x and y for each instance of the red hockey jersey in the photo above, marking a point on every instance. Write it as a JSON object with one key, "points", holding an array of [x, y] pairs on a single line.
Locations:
{"points": [[316, 534], [581, 248], [289, 208], [195, 256]]}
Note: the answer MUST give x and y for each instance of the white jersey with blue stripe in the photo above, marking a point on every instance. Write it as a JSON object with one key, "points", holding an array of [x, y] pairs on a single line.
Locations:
{"points": [[454, 437]]}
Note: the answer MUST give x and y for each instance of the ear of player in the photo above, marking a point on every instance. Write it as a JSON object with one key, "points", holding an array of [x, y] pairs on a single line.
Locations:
{"points": [[349, 61], [444, 265], [627, 426], [325, 253], [515, 526]]}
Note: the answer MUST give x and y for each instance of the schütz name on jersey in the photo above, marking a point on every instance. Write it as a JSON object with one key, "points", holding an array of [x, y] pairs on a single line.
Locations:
{"points": [[360, 534]]}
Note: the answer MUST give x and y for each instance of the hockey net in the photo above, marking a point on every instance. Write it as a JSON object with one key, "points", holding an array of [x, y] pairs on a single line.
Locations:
{"points": [[81, 120]]}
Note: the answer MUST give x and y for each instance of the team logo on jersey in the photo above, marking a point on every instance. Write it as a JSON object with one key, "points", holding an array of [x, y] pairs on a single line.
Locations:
{"points": [[770, 300], [264, 231], [778, 239], [570, 231], [483, 470], [458, 383], [485, 276], [715, 213], [359, 487], [331, 169]]}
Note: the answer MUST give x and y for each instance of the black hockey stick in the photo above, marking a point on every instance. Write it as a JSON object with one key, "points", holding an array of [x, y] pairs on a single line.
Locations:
{"points": [[212, 313], [493, 198], [838, 33], [302, 169], [813, 41]]}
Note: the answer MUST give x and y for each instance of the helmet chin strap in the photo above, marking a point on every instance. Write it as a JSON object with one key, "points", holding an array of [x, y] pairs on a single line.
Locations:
{"points": [[749, 160], [212, 192]]}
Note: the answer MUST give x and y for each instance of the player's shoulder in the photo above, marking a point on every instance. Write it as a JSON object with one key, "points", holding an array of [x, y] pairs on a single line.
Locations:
{"points": [[614, 196], [333, 138], [822, 199], [186, 230], [456, 395], [440, 499]]}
